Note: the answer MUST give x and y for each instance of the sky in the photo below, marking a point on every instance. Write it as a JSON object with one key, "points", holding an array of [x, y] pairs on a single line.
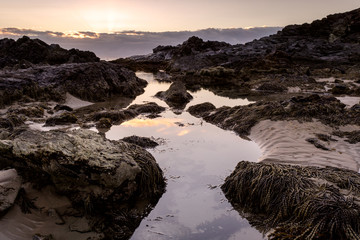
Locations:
{"points": [[122, 28], [107, 16]]}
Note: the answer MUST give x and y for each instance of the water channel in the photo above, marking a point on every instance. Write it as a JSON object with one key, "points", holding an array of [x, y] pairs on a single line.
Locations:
{"points": [[195, 157]]}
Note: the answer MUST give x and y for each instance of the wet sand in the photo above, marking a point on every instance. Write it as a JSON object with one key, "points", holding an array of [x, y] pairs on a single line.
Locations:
{"points": [[285, 142]]}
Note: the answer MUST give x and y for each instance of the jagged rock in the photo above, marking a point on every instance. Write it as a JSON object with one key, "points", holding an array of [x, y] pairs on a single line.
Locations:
{"points": [[87, 81], [352, 137], [62, 119], [141, 141], [176, 96], [31, 111], [26, 51], [339, 89], [10, 183]]}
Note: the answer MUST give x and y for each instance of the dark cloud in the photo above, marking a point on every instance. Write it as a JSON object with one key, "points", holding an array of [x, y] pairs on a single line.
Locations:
{"points": [[128, 43]]}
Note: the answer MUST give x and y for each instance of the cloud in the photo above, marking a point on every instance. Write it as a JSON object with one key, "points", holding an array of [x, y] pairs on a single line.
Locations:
{"points": [[128, 43]]}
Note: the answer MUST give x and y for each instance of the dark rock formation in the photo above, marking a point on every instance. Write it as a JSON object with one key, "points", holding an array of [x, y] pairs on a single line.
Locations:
{"points": [[25, 51], [176, 96], [119, 116], [297, 202], [317, 143], [352, 137], [141, 141], [60, 107], [102, 178], [61, 119], [87, 81], [199, 109], [241, 119]]}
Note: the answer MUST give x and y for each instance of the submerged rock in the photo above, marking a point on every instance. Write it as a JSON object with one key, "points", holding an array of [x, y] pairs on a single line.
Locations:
{"points": [[102, 178], [294, 201], [176, 96], [141, 141]]}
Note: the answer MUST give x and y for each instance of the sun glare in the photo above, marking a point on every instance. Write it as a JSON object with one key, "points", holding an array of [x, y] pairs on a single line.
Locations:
{"points": [[107, 20]]}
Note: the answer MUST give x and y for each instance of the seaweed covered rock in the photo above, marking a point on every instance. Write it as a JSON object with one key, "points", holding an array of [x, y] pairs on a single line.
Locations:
{"points": [[176, 96], [297, 202], [102, 178]]}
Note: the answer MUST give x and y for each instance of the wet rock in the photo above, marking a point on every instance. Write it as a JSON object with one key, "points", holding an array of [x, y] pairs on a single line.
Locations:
{"points": [[241, 119], [295, 200], [116, 116], [104, 123], [176, 96], [25, 51], [199, 109], [28, 111], [352, 137], [60, 107], [11, 121], [271, 87], [81, 225], [339, 89], [325, 138], [10, 183], [141, 141], [317, 143], [151, 108], [102, 178], [62, 119], [88, 81]]}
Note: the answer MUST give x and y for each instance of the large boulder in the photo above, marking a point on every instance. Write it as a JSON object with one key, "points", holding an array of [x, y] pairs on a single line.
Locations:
{"points": [[102, 178]]}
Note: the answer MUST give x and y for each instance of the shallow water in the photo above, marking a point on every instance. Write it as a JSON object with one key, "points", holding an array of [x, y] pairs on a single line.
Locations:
{"points": [[196, 157]]}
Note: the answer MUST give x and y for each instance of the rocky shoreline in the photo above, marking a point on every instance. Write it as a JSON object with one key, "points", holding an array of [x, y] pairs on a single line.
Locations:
{"points": [[298, 74]]}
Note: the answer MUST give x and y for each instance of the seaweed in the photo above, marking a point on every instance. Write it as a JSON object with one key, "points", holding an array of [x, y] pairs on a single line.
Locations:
{"points": [[297, 202]]}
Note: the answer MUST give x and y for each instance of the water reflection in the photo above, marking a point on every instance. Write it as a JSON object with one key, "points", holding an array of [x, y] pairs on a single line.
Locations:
{"points": [[196, 157]]}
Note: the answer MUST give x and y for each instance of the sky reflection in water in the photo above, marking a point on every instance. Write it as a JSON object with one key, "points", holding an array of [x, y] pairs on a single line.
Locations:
{"points": [[196, 157]]}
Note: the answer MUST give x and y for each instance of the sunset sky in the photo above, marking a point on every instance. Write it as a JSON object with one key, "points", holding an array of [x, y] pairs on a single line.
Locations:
{"points": [[108, 16]]}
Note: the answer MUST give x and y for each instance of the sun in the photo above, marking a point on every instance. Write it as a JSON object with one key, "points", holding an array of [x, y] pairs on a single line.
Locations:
{"points": [[105, 20]]}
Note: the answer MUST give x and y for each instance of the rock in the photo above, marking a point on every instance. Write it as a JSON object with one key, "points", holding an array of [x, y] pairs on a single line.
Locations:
{"points": [[26, 51], [60, 107], [176, 96], [103, 179], [28, 111], [352, 137], [339, 89], [11, 121], [104, 123], [271, 87], [317, 143], [199, 109], [88, 81], [150, 108], [62, 119], [289, 200], [10, 183], [241, 119], [141, 141], [81, 225]]}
